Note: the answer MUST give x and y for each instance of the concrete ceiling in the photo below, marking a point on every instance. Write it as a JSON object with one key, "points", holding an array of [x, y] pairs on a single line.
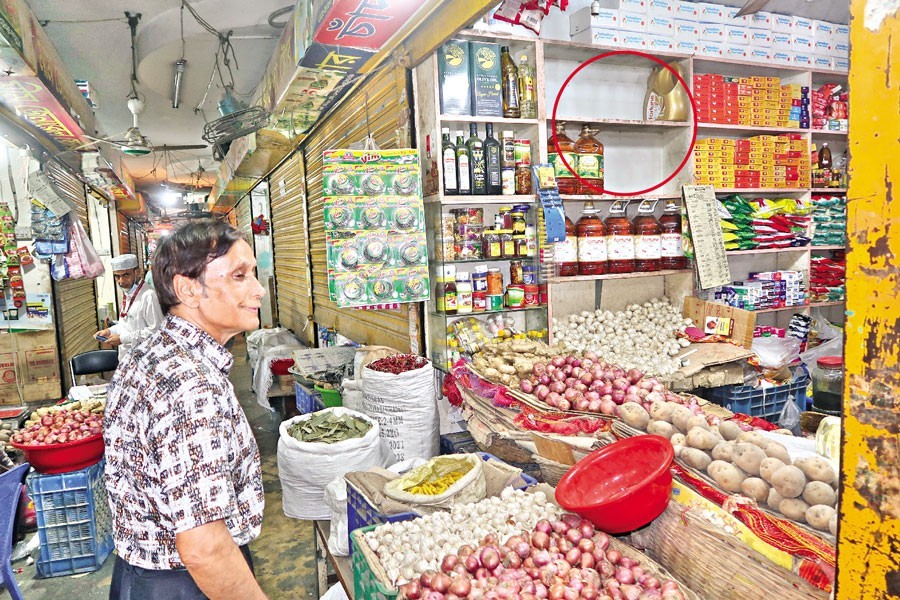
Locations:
{"points": [[93, 39]]}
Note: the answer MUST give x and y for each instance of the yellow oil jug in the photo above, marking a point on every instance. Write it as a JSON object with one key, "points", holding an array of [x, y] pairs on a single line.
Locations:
{"points": [[666, 98]]}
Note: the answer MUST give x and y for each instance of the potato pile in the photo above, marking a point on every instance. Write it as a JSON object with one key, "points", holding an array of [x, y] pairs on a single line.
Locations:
{"points": [[746, 462], [507, 361]]}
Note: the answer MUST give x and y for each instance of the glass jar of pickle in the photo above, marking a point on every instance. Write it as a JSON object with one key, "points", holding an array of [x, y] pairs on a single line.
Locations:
{"points": [[516, 273], [523, 181], [507, 244], [491, 244]]}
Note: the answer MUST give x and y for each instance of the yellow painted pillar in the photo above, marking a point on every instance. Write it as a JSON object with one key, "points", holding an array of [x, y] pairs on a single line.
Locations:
{"points": [[869, 531]]}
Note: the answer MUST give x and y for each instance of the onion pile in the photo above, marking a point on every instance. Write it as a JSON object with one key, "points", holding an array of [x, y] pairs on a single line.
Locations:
{"points": [[592, 385], [60, 427], [562, 559], [641, 336], [409, 548]]}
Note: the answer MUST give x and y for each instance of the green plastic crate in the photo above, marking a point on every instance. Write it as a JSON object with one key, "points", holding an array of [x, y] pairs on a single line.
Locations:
{"points": [[365, 584]]}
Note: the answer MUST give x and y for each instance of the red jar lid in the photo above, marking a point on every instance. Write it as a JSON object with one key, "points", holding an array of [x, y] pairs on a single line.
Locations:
{"points": [[830, 362]]}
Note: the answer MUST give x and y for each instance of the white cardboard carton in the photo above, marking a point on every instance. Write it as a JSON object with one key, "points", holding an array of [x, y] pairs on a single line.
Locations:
{"points": [[662, 8], [823, 62], [761, 20], [803, 59], [598, 37], [633, 40], [782, 57], [841, 34], [657, 25], [840, 50], [686, 10], [824, 31], [781, 41], [841, 64], [801, 43], [737, 35], [660, 43], [711, 13], [782, 24], [734, 51], [712, 32], [802, 26], [822, 48], [608, 18], [687, 30], [709, 49], [686, 46], [758, 54], [760, 38], [633, 22], [638, 6]]}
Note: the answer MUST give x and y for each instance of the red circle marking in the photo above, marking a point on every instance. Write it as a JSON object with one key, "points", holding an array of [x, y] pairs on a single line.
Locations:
{"points": [[665, 65]]}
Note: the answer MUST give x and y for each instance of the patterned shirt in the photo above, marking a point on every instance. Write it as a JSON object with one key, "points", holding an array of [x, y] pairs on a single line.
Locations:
{"points": [[179, 450]]}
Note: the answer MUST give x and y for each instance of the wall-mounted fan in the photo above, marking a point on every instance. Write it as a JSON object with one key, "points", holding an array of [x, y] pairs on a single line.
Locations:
{"points": [[133, 143]]}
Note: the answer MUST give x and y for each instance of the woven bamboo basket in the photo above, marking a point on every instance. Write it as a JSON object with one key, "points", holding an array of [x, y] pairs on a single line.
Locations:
{"points": [[717, 565]]}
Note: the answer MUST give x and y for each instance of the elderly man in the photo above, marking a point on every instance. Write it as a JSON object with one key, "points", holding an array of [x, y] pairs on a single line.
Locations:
{"points": [[182, 466], [140, 314]]}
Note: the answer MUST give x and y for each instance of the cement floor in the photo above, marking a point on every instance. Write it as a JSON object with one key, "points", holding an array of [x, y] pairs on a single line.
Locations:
{"points": [[283, 555]]}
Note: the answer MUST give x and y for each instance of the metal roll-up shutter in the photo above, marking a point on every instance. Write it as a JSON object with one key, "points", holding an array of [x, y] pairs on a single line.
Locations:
{"points": [[290, 247], [243, 218], [75, 300], [380, 106]]}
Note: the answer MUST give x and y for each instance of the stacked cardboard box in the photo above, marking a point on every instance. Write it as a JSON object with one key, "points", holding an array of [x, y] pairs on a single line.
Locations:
{"points": [[762, 161], [761, 291], [750, 101]]}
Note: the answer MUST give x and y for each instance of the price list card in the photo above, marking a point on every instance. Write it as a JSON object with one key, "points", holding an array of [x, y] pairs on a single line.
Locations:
{"points": [[706, 233]]}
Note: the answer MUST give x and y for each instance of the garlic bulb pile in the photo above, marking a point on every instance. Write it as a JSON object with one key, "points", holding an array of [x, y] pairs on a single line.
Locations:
{"points": [[409, 548], [640, 337]]}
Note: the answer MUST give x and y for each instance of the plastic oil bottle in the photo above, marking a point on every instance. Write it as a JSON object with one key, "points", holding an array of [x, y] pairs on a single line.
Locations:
{"points": [[591, 233], [590, 162], [671, 249], [647, 239], [666, 98], [565, 179], [565, 253], [619, 239]]}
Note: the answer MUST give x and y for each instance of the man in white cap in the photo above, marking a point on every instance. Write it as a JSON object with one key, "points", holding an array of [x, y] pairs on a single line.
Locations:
{"points": [[140, 314]]}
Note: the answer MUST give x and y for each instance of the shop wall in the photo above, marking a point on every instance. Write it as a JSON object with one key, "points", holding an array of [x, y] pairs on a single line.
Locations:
{"points": [[290, 248], [380, 106], [75, 300]]}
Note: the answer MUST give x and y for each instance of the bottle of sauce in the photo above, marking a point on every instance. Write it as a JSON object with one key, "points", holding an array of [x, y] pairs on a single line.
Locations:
{"points": [[565, 179], [590, 162], [509, 82], [463, 171], [464, 291], [492, 161], [450, 295], [671, 250], [565, 253], [477, 166], [647, 239], [440, 289], [825, 157], [591, 234], [448, 163], [619, 239], [527, 103]]}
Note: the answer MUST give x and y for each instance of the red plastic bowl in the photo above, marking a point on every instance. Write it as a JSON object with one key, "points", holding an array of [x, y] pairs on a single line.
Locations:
{"points": [[63, 458], [620, 487]]}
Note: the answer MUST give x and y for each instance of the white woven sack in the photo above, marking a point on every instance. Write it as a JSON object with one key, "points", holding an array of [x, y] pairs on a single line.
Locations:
{"points": [[305, 468], [468, 488], [406, 408]]}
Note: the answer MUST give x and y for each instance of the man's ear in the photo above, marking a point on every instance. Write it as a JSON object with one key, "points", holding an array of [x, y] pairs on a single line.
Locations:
{"points": [[187, 290]]}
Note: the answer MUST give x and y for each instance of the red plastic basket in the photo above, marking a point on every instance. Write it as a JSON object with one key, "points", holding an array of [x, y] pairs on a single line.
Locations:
{"points": [[63, 458]]}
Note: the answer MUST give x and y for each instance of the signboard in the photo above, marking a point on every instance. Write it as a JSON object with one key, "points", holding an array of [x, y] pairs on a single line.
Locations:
{"points": [[706, 234], [362, 23], [335, 58]]}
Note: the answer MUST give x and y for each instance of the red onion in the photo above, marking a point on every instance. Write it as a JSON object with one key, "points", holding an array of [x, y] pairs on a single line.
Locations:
{"points": [[526, 386], [672, 595], [587, 560], [544, 526], [577, 372], [557, 387], [471, 563], [620, 384], [618, 396], [541, 392], [613, 556], [540, 539], [634, 375], [632, 592], [632, 398], [583, 405], [490, 558], [601, 540], [624, 575], [628, 563], [449, 562], [607, 407], [426, 577], [558, 361], [545, 379], [538, 369], [573, 557], [590, 355], [586, 378], [669, 585], [559, 375], [594, 405], [605, 568], [650, 594], [574, 535], [652, 582], [580, 387], [460, 586], [570, 394], [564, 405], [435, 595]]}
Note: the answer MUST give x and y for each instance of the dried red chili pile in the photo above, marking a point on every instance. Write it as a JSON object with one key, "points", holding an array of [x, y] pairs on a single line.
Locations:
{"points": [[398, 363]]}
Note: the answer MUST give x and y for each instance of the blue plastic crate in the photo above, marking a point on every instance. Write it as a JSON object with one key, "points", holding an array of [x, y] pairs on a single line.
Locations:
{"points": [[74, 521], [764, 403], [360, 513], [307, 400]]}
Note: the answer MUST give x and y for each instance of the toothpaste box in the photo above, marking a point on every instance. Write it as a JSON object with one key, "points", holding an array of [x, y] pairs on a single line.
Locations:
{"points": [[687, 30], [685, 46], [737, 35], [686, 10], [712, 32], [781, 41], [841, 64], [802, 26], [823, 62], [660, 43], [709, 49], [734, 51], [633, 22], [782, 57], [657, 25], [782, 24], [761, 38], [607, 18], [633, 40], [711, 13], [803, 59], [757, 54], [662, 8], [598, 36], [801, 43], [821, 47]]}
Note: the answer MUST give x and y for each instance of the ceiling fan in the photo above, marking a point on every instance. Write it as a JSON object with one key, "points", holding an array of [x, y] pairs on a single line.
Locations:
{"points": [[133, 143]]}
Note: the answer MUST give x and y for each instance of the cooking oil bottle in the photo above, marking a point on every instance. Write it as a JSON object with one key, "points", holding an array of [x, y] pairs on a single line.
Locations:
{"points": [[666, 98]]}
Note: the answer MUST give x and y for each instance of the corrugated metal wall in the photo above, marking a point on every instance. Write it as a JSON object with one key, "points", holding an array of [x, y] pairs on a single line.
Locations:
{"points": [[243, 218], [384, 102], [290, 247], [75, 300]]}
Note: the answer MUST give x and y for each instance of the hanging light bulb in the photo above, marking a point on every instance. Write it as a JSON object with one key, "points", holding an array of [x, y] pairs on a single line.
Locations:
{"points": [[180, 65]]}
